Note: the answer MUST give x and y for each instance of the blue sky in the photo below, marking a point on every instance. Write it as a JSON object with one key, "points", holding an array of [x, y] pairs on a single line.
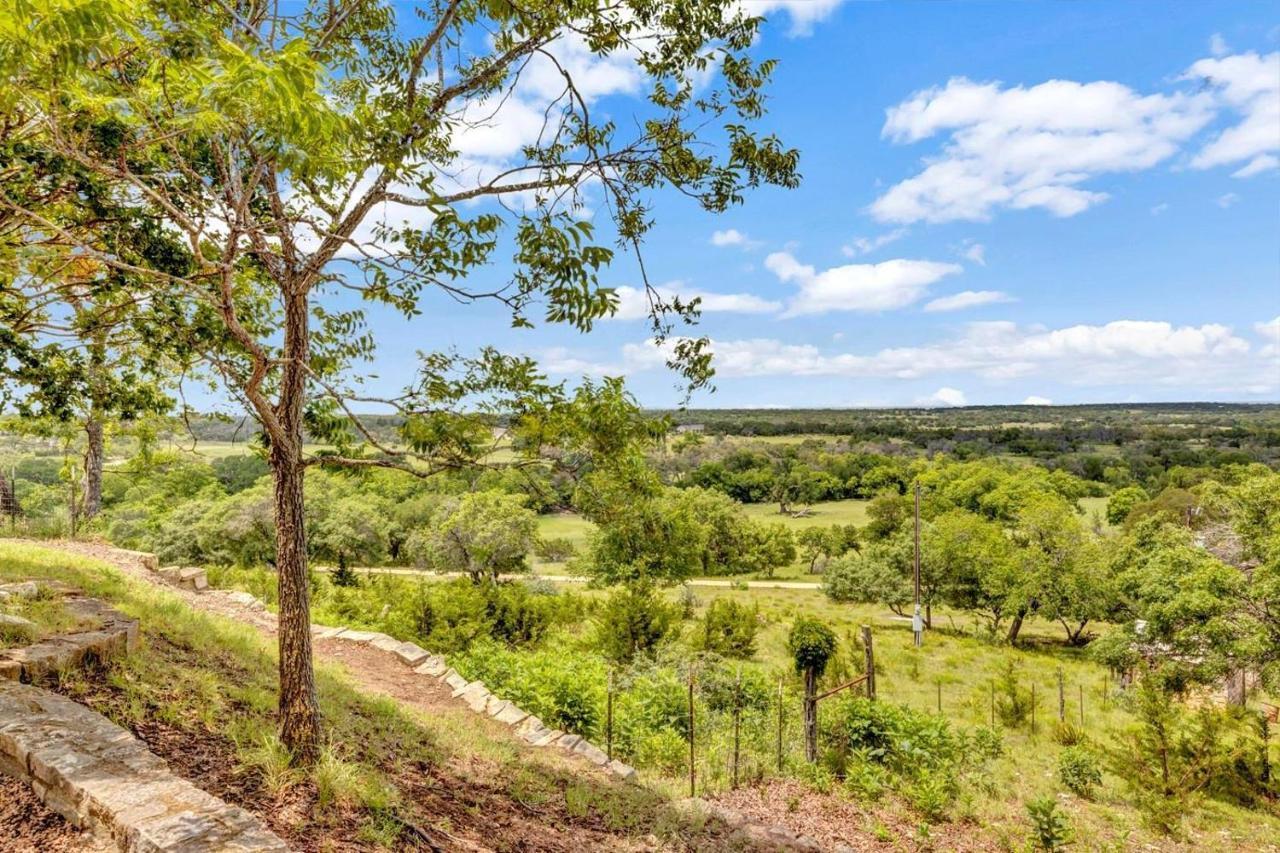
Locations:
{"points": [[1002, 202]]}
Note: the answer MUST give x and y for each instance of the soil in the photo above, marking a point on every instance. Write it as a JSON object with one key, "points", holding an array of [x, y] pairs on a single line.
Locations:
{"points": [[27, 826], [834, 820]]}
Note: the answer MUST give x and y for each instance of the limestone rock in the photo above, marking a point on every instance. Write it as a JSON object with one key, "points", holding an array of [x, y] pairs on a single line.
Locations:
{"points": [[625, 771], [433, 666]]}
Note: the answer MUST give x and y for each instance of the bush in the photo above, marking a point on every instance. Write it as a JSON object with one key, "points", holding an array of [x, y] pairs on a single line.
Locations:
{"points": [[1051, 830], [633, 621], [811, 644], [1078, 770], [555, 550], [729, 629], [562, 687], [1014, 703]]}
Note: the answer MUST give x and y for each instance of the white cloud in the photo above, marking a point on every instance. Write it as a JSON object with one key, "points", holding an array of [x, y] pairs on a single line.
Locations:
{"points": [[1209, 356], [1247, 84], [1218, 45], [975, 252], [1256, 166], [1018, 147], [633, 302], [856, 287], [1226, 200], [1158, 209], [803, 13], [966, 299], [946, 397], [1033, 400], [732, 237], [1269, 332], [866, 245]]}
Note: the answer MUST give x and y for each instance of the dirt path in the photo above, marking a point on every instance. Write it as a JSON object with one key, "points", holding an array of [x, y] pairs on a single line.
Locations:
{"points": [[705, 582]]}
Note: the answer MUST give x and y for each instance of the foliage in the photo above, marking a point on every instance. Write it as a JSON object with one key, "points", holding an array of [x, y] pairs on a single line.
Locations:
{"points": [[729, 629], [484, 534], [1079, 770], [811, 644], [555, 550], [1122, 502], [633, 621], [1051, 829]]}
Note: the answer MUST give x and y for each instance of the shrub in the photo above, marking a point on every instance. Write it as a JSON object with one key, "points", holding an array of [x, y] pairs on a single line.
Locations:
{"points": [[555, 550], [1051, 830], [1068, 733], [664, 750], [729, 629], [1014, 703], [1078, 770], [811, 644], [633, 621]]}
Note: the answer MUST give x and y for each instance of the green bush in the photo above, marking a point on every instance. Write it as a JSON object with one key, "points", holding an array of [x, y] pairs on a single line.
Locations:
{"points": [[811, 644], [633, 621], [729, 629], [555, 550], [1013, 704], [1051, 830], [1079, 771]]}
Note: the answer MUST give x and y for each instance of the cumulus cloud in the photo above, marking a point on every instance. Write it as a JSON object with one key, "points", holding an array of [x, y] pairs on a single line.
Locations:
{"points": [[732, 237], [945, 397], [967, 299], [633, 302], [856, 287], [1018, 147], [1249, 85], [1209, 356], [802, 13]]}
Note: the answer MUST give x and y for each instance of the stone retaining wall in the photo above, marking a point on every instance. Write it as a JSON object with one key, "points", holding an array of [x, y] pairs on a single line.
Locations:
{"points": [[101, 778], [114, 635]]}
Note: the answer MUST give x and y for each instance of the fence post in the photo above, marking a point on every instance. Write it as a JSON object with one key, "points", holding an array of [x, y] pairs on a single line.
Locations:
{"points": [[71, 504], [1062, 697], [692, 771], [737, 724], [871, 661], [810, 715], [1264, 729], [779, 725], [608, 717]]}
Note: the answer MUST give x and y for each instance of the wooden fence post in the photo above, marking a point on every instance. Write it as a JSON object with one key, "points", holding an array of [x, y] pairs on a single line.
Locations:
{"points": [[608, 716], [692, 771], [779, 725], [939, 684], [810, 715], [737, 724], [871, 661]]}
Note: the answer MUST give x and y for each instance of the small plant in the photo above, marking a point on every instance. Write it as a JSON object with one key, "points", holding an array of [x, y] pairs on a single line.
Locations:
{"points": [[1068, 733], [1050, 827], [343, 576], [688, 602], [1013, 705], [932, 796], [272, 760], [1078, 770], [811, 644]]}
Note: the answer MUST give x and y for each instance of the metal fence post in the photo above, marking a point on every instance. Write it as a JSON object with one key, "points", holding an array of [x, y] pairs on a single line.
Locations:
{"points": [[692, 771]]}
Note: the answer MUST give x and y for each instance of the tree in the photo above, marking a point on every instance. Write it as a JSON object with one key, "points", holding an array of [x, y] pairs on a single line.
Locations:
{"points": [[1061, 570], [825, 543], [1122, 502], [812, 645], [976, 561], [304, 151], [484, 534]]}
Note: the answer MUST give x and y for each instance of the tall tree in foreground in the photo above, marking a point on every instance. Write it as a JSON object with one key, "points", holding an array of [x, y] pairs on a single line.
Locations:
{"points": [[313, 155]]}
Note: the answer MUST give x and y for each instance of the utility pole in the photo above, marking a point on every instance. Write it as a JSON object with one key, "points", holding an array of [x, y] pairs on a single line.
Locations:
{"points": [[917, 623]]}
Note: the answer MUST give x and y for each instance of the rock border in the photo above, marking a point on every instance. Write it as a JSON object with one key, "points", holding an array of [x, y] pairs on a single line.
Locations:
{"points": [[101, 778], [115, 635]]}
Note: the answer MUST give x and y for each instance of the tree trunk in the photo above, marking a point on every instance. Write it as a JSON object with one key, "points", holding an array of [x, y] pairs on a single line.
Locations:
{"points": [[299, 705], [928, 615], [1015, 627], [91, 503]]}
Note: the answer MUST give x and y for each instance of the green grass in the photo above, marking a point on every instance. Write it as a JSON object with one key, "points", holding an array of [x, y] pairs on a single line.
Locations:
{"points": [[213, 678]]}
